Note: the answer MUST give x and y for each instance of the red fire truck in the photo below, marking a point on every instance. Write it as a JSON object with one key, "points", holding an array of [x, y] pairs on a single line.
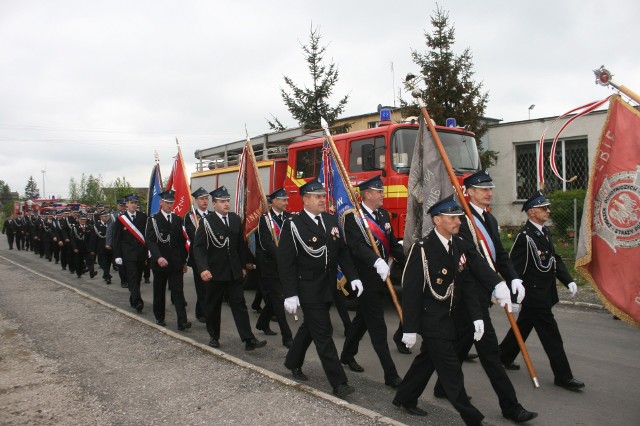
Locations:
{"points": [[386, 149]]}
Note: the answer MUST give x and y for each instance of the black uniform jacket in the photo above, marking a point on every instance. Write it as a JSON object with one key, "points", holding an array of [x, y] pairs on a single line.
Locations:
{"points": [[125, 245], [225, 263], [502, 263], [540, 286], [174, 250], [191, 232], [312, 279], [266, 249], [363, 255], [81, 238], [422, 312]]}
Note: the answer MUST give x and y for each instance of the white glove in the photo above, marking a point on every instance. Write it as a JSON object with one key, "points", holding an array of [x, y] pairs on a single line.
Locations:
{"points": [[291, 304], [573, 288], [118, 261], [357, 285], [503, 295], [479, 326], [515, 308], [517, 288], [382, 269], [409, 339]]}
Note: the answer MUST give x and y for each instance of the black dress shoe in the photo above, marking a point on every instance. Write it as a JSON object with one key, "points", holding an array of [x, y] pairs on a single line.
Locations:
{"points": [[511, 365], [161, 323], [287, 343], [139, 306], [201, 319], [184, 325], [268, 331], [93, 274], [299, 375], [414, 411], [393, 382], [403, 349], [214, 343], [258, 309], [253, 343], [353, 366], [124, 285], [520, 415], [343, 390], [571, 384], [108, 281]]}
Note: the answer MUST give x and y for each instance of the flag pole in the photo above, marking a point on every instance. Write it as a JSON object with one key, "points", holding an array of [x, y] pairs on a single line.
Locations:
{"points": [[354, 200], [605, 78], [465, 205]]}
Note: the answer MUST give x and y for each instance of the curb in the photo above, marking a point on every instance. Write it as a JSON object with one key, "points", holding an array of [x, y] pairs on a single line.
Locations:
{"points": [[377, 417]]}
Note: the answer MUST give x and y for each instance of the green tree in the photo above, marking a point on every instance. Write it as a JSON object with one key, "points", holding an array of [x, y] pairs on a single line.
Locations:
{"points": [[31, 190], [74, 190], [309, 104], [450, 88], [117, 189], [92, 190], [6, 200]]}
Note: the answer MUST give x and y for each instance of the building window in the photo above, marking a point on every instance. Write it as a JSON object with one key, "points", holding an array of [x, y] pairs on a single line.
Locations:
{"points": [[308, 162], [574, 162], [356, 163], [372, 124]]}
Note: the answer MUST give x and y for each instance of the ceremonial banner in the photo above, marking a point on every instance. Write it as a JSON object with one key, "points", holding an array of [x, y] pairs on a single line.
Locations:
{"points": [[428, 184], [609, 246], [179, 182], [155, 188], [338, 199], [250, 204]]}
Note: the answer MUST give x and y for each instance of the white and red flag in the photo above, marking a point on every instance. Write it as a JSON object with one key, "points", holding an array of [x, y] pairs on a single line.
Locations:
{"points": [[251, 201], [609, 245]]}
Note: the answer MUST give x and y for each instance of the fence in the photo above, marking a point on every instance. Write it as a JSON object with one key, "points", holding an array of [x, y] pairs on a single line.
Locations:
{"points": [[564, 224]]}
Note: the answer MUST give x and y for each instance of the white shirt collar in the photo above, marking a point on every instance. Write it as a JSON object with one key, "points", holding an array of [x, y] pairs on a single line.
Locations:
{"points": [[222, 215], [202, 212], [368, 209], [476, 208], [444, 241], [537, 226], [313, 216]]}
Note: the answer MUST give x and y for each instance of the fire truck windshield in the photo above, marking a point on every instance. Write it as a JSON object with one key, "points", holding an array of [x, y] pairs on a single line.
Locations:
{"points": [[461, 150]]}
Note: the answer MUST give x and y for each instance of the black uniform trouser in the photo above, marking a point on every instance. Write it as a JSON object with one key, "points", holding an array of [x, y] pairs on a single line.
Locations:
{"points": [[274, 305], [56, 251], [70, 257], [341, 305], [540, 318], [201, 293], [257, 299], [122, 273], [213, 308], [81, 259], [370, 317], [438, 355], [19, 240], [10, 239], [104, 261], [317, 328], [133, 270], [489, 355], [47, 249], [27, 241], [162, 276]]}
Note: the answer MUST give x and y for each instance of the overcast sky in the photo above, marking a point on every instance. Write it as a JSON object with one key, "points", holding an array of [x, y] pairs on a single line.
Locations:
{"points": [[97, 87]]}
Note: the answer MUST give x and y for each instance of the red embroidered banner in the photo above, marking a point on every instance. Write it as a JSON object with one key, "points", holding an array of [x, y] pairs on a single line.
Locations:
{"points": [[609, 246]]}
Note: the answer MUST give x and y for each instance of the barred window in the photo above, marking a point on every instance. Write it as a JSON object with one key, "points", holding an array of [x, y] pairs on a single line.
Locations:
{"points": [[574, 162]]}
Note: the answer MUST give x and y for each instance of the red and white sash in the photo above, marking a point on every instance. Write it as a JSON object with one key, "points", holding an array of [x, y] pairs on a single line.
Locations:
{"points": [[129, 226]]}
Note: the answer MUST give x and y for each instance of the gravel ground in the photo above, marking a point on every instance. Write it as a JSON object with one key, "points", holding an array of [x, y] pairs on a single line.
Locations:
{"points": [[65, 359]]}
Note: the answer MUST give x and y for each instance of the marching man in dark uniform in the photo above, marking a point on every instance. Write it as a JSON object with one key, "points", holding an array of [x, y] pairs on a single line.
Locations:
{"points": [[166, 241], [308, 253], [270, 227], [480, 189], [9, 228], [98, 244], [129, 248], [220, 252], [373, 271], [46, 235], [201, 197], [534, 257], [436, 278], [19, 225], [80, 239], [121, 208]]}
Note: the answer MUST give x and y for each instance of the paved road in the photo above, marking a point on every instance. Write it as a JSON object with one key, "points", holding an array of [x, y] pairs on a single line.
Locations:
{"points": [[603, 353]]}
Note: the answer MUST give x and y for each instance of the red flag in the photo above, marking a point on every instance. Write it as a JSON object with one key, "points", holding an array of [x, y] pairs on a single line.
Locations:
{"points": [[250, 197], [179, 182], [609, 246]]}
